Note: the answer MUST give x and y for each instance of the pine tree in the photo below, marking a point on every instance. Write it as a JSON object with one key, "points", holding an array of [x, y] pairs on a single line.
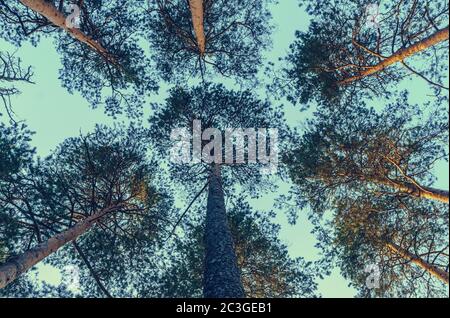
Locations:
{"points": [[267, 269], [101, 57], [197, 38], [360, 47], [215, 107], [359, 149], [102, 182]]}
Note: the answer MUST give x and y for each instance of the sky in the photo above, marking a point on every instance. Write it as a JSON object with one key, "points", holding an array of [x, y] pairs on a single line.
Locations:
{"points": [[54, 114]]}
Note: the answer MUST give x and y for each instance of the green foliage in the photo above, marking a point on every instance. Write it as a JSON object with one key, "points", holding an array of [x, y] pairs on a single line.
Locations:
{"points": [[216, 107], [344, 168], [16, 157], [26, 286], [267, 269], [120, 86], [15, 151], [343, 40], [347, 167], [108, 168], [236, 35], [364, 226], [356, 149]]}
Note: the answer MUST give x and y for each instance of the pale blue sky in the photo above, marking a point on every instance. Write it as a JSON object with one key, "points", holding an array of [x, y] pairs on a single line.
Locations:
{"points": [[54, 115]]}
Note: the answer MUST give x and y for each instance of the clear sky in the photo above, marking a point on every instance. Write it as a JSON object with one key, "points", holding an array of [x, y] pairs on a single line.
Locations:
{"points": [[54, 114]]}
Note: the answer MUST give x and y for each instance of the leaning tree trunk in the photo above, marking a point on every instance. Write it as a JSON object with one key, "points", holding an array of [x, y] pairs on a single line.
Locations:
{"points": [[222, 278], [424, 192], [400, 55], [196, 7], [52, 14], [420, 192], [433, 270], [20, 264]]}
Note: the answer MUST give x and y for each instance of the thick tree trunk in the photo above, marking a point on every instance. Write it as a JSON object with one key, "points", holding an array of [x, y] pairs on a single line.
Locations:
{"points": [[222, 278], [12, 269], [52, 14], [196, 7], [433, 270], [420, 192], [401, 55]]}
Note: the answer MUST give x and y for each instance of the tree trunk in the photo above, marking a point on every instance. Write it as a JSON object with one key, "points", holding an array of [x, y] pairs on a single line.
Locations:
{"points": [[420, 192], [433, 270], [222, 278], [52, 14], [401, 55], [196, 7], [20, 264]]}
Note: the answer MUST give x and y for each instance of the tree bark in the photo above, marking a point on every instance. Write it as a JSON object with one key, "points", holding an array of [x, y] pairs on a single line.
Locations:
{"points": [[52, 14], [420, 192], [433, 270], [196, 7], [20, 264], [401, 55], [222, 278]]}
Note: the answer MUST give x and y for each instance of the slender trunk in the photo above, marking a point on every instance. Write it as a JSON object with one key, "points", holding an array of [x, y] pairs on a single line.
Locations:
{"points": [[222, 278], [52, 14], [196, 7], [401, 55], [20, 264], [433, 270], [91, 270], [420, 192]]}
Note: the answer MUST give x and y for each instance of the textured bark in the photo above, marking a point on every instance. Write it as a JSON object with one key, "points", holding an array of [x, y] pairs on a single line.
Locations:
{"points": [[424, 192], [401, 55], [433, 270], [222, 278], [420, 192], [52, 14], [20, 264], [196, 7]]}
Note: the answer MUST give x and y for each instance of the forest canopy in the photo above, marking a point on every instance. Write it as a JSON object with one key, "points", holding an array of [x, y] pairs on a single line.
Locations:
{"points": [[316, 132]]}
